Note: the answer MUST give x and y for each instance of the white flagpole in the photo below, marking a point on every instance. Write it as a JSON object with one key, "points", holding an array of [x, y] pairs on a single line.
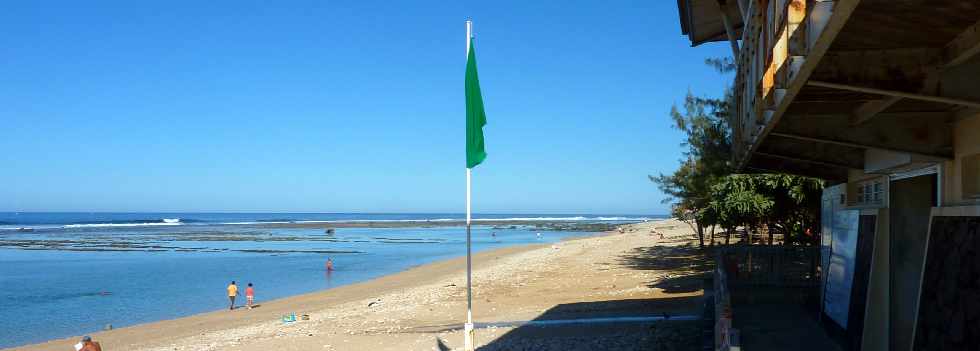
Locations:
{"points": [[468, 327]]}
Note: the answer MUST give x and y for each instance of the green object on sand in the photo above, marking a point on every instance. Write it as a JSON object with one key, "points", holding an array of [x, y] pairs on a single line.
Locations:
{"points": [[476, 117]]}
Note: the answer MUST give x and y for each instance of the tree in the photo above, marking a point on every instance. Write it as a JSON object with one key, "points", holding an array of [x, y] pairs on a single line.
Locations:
{"points": [[704, 192], [737, 203], [788, 202], [707, 158], [796, 203]]}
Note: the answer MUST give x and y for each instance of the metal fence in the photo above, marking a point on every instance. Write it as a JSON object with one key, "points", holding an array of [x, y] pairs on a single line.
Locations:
{"points": [[787, 266]]}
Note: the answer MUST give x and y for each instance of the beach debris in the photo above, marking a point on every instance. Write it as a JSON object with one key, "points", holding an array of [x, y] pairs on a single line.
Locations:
{"points": [[289, 318], [372, 303], [305, 317]]}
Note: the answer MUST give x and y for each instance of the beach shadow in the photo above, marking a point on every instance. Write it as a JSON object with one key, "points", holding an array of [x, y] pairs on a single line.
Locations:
{"points": [[608, 325], [683, 267], [441, 345]]}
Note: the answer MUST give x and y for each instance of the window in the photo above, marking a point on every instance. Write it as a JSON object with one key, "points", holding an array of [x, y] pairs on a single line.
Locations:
{"points": [[870, 192]]}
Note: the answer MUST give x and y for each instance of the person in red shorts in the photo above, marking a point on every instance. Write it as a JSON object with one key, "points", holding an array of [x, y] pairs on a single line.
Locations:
{"points": [[249, 295]]}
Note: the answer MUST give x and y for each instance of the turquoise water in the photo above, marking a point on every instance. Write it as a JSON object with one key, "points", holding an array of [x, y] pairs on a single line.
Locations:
{"points": [[60, 279]]}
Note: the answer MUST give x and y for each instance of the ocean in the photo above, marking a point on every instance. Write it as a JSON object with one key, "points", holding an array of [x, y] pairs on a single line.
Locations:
{"points": [[64, 274]]}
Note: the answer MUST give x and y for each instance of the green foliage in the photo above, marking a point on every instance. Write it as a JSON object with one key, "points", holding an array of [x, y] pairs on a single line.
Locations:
{"points": [[703, 190], [784, 201], [736, 201], [707, 157], [722, 65]]}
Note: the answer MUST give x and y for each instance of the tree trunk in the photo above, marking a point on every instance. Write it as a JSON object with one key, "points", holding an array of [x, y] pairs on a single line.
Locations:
{"points": [[769, 229], [712, 235], [700, 236], [787, 235]]}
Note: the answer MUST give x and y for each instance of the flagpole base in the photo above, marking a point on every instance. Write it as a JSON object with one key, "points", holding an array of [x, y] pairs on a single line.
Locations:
{"points": [[468, 338]]}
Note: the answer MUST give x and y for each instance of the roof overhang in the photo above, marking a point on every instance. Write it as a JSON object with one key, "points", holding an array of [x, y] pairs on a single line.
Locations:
{"points": [[885, 76], [701, 20]]}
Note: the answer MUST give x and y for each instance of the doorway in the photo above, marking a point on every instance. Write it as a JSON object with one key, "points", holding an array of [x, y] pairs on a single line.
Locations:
{"points": [[910, 201]]}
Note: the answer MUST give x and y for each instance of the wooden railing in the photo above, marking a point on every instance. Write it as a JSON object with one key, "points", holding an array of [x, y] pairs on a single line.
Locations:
{"points": [[775, 42]]}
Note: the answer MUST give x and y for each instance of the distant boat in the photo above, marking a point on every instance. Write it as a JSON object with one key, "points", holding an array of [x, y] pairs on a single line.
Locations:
{"points": [[24, 229]]}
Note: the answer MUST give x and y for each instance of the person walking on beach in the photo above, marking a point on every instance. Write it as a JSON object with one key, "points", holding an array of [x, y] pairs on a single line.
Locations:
{"points": [[249, 295], [232, 293]]}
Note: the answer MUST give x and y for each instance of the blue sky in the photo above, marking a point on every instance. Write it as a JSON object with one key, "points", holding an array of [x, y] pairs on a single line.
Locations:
{"points": [[340, 106]]}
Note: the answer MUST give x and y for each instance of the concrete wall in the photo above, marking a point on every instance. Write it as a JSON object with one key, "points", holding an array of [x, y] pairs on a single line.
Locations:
{"points": [[877, 315], [966, 142]]}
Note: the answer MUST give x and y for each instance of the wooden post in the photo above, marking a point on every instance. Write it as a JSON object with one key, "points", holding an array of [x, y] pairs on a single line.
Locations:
{"points": [[729, 27]]}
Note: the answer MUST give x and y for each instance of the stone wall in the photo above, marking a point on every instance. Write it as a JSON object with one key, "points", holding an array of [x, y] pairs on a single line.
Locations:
{"points": [[949, 305]]}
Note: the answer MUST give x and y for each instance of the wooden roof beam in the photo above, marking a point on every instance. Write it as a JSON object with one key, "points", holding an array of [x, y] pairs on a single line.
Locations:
{"points": [[816, 162], [868, 110], [965, 46], [894, 93], [857, 145]]}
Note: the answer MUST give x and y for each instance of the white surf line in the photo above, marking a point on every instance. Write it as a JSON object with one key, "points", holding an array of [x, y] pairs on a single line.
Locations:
{"points": [[551, 322]]}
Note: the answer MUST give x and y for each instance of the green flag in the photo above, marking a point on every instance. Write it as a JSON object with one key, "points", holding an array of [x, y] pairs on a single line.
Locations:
{"points": [[476, 118]]}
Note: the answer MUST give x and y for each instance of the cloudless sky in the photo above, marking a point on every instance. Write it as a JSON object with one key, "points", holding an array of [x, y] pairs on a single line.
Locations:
{"points": [[340, 106]]}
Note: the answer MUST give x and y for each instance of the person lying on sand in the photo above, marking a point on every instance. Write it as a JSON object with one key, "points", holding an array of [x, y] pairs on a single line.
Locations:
{"points": [[89, 345]]}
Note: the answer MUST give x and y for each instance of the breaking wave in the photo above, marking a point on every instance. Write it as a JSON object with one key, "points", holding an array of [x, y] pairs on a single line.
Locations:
{"points": [[132, 223]]}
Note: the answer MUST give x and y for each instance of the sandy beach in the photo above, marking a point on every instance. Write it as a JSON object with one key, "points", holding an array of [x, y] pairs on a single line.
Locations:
{"points": [[630, 272]]}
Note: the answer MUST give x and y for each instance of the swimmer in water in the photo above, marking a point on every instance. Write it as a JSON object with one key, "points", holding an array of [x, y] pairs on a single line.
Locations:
{"points": [[539, 235], [329, 265]]}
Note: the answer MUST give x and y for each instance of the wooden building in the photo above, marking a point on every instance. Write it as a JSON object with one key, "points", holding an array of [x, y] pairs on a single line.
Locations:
{"points": [[882, 99]]}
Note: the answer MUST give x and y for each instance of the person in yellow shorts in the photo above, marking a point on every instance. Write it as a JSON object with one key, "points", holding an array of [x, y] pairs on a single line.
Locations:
{"points": [[232, 293]]}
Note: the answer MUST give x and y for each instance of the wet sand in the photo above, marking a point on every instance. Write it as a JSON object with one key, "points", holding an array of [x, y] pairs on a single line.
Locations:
{"points": [[627, 273]]}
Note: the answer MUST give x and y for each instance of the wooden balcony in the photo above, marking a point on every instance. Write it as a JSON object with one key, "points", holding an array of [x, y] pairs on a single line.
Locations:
{"points": [[820, 83], [777, 42]]}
